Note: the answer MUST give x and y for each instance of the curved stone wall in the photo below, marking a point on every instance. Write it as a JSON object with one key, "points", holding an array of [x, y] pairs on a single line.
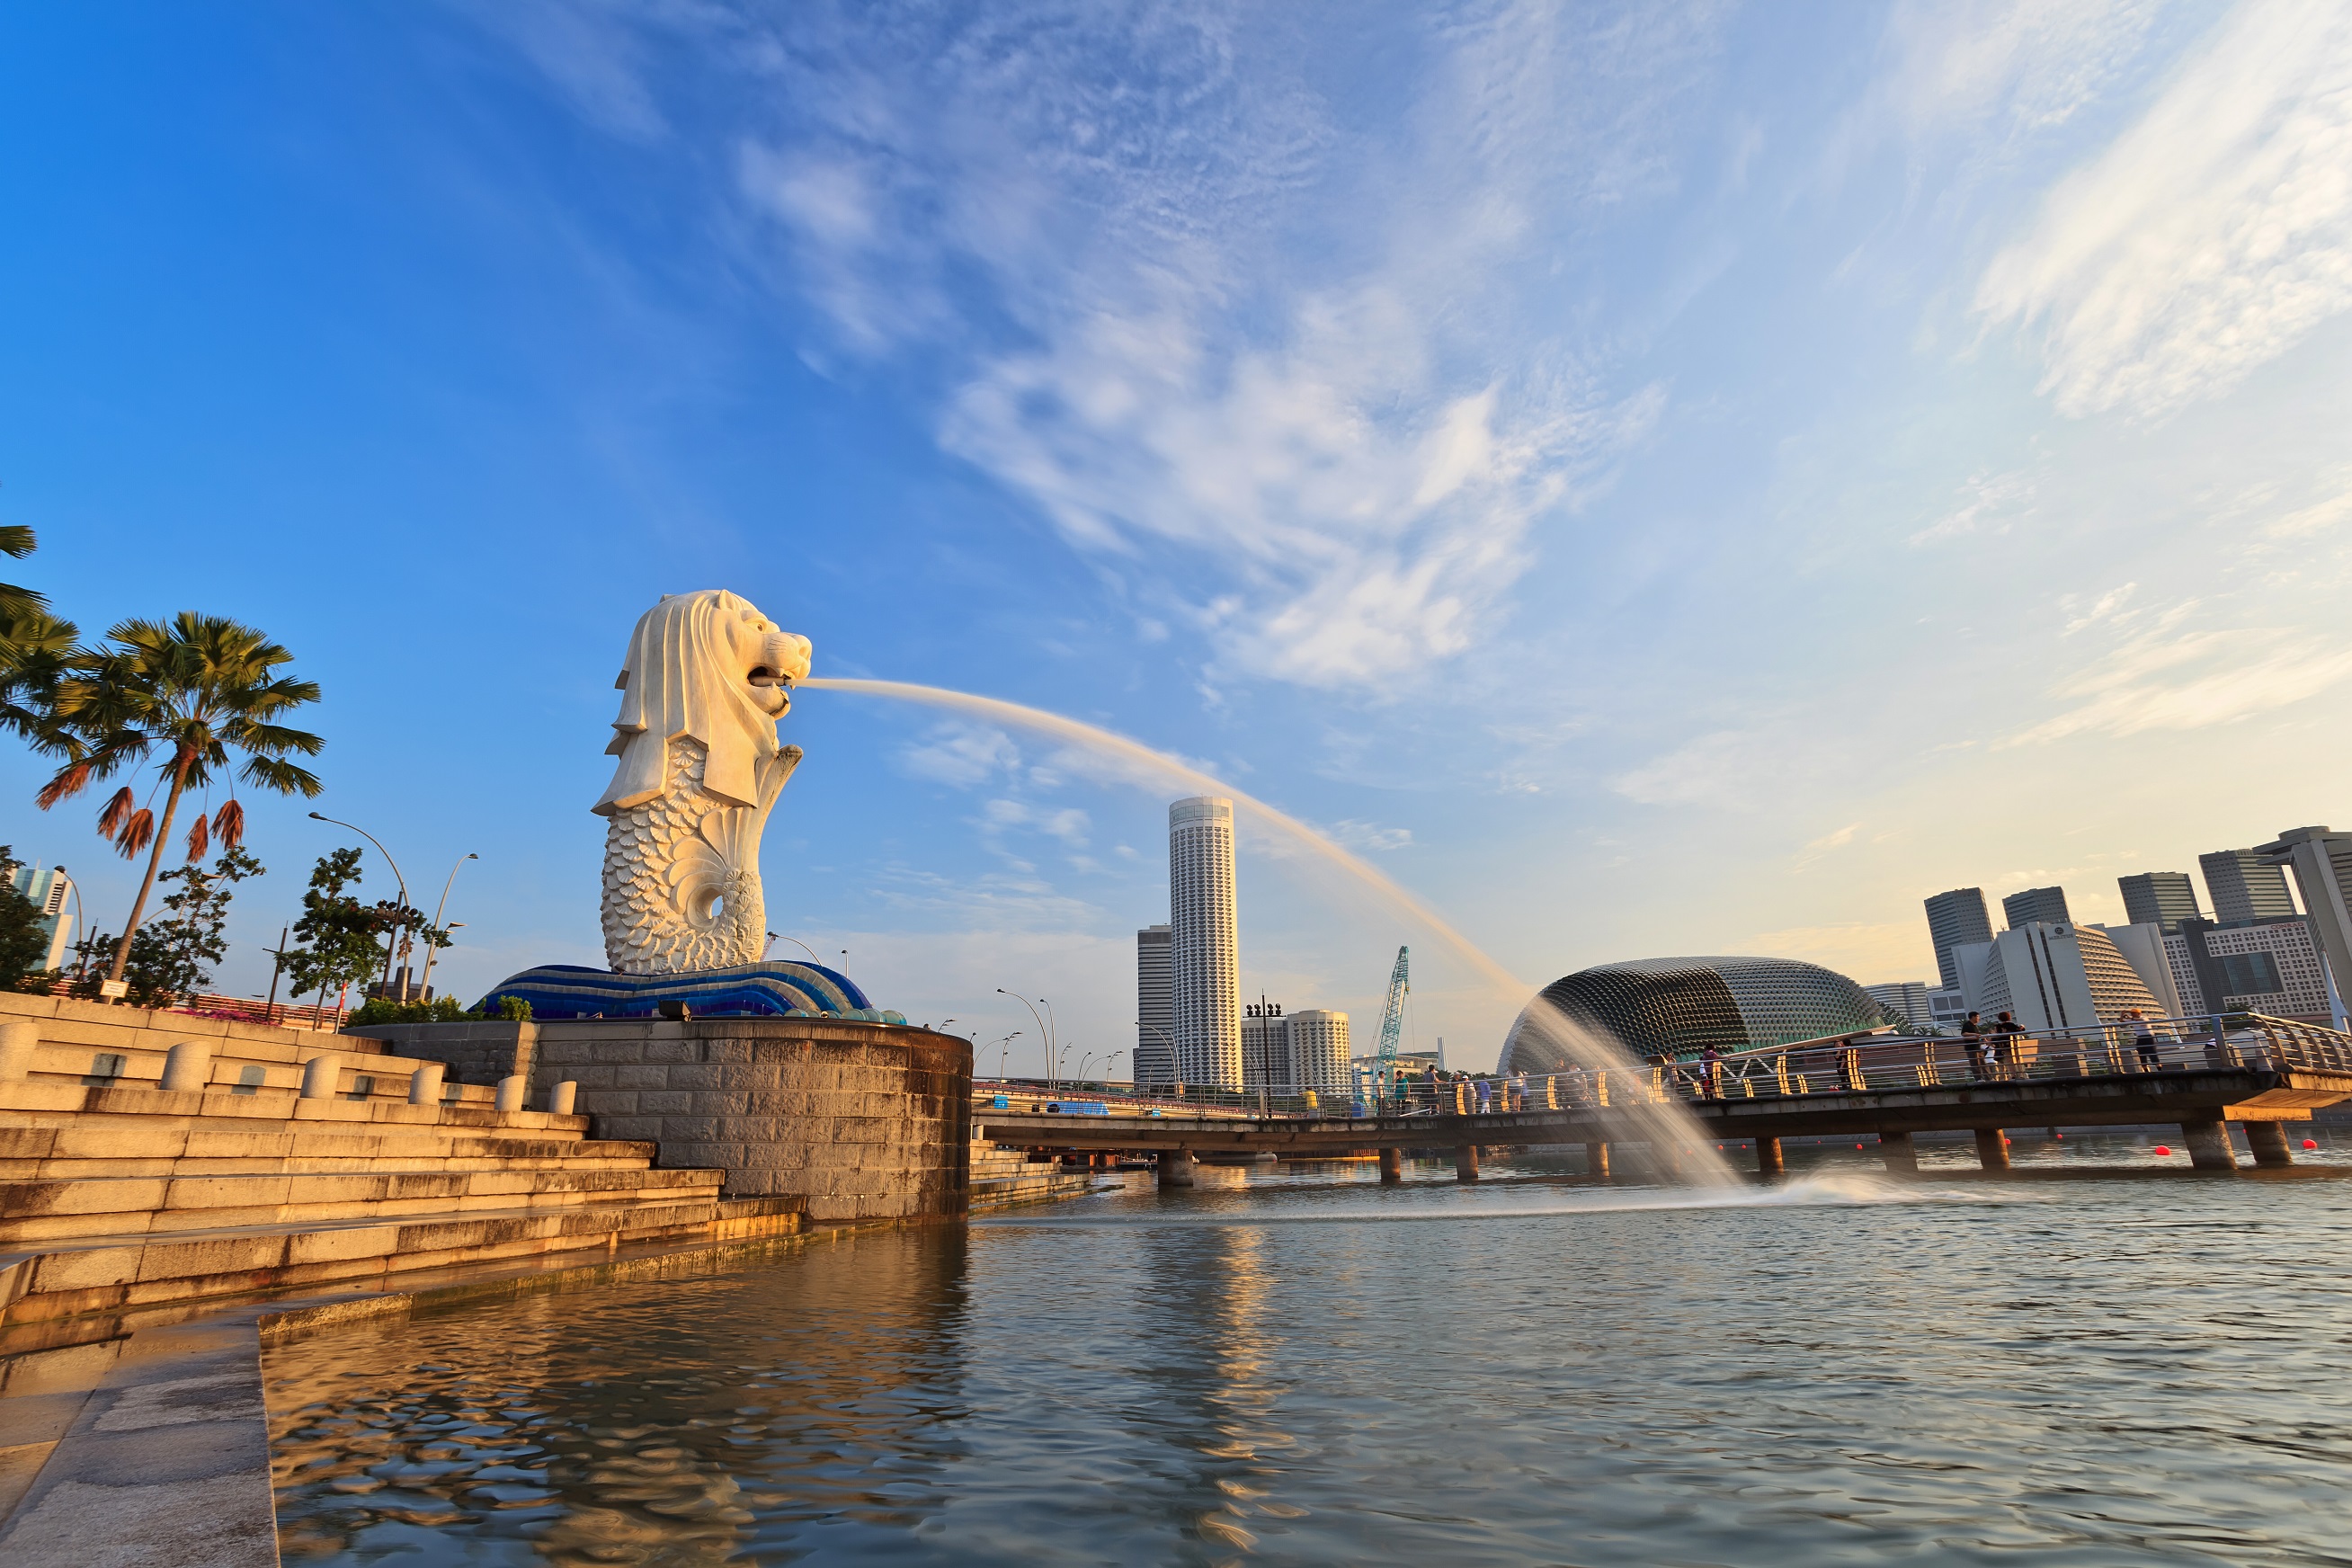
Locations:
{"points": [[858, 1121]]}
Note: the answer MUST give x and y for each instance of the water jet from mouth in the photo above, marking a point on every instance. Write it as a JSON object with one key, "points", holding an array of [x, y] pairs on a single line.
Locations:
{"points": [[1663, 1126]]}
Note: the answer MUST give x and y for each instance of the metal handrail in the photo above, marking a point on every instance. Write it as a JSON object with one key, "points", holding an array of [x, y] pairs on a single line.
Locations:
{"points": [[1867, 1064]]}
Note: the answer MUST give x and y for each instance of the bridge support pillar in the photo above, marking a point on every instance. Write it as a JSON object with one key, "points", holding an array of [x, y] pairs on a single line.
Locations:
{"points": [[1992, 1148], [1768, 1157], [2209, 1145], [1176, 1167], [1391, 1167], [2268, 1140], [1596, 1161], [1466, 1163], [1901, 1155]]}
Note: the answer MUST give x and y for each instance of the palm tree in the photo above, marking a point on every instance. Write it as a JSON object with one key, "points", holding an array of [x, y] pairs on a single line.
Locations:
{"points": [[193, 688], [16, 542]]}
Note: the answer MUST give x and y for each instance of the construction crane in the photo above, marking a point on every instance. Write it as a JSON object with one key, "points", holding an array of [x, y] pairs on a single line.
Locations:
{"points": [[1392, 1028]]}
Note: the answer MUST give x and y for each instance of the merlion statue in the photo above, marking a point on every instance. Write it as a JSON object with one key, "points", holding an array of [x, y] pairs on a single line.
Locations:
{"points": [[707, 678]]}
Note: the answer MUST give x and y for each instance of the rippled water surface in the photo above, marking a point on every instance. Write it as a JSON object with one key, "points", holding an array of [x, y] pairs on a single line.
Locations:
{"points": [[2075, 1366]]}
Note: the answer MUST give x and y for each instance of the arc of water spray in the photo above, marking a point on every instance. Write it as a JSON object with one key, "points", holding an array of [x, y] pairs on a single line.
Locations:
{"points": [[1081, 733], [1669, 1123]]}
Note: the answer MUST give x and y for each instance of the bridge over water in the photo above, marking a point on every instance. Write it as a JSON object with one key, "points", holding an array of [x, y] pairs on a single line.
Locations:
{"points": [[2202, 1074]]}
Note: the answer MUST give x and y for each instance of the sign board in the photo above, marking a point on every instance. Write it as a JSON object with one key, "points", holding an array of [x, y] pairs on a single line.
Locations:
{"points": [[114, 989]]}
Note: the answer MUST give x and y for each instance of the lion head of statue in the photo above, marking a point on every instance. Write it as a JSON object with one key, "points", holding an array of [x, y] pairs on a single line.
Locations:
{"points": [[711, 667]]}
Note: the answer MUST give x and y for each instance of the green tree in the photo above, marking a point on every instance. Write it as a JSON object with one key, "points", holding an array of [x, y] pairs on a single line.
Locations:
{"points": [[23, 941], [37, 649], [337, 934], [196, 688], [174, 956]]}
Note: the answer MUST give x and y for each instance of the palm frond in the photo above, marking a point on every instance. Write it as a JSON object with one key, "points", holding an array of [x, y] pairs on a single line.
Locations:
{"points": [[118, 811], [284, 777], [15, 539], [138, 831], [200, 838], [68, 782], [228, 826]]}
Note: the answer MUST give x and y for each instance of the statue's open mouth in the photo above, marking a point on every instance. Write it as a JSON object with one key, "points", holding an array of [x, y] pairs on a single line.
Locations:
{"points": [[763, 675]]}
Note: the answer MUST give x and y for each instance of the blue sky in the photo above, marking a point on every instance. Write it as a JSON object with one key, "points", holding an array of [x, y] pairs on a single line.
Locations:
{"points": [[1655, 480]]}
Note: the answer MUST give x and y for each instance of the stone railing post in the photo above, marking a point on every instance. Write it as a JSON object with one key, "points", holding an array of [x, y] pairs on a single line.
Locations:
{"points": [[560, 1098], [188, 1066], [320, 1075], [20, 1042], [425, 1084], [511, 1091]]}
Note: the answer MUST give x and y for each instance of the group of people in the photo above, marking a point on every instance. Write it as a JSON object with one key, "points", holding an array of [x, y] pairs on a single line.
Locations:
{"points": [[1991, 1048]]}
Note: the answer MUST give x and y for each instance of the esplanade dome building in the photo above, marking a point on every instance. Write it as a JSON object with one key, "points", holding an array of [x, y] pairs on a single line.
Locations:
{"points": [[1679, 1006]]}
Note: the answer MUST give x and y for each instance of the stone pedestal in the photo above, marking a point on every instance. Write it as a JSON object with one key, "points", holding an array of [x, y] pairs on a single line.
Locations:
{"points": [[1466, 1163], [1176, 1167], [1391, 1167], [1596, 1161], [1992, 1148], [2209, 1145], [2270, 1143], [1768, 1157], [1902, 1156], [854, 1120]]}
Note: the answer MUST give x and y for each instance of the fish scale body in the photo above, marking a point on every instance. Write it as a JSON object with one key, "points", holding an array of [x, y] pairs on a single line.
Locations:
{"points": [[673, 899]]}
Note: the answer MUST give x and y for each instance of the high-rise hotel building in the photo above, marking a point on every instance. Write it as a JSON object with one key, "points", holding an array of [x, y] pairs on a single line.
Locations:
{"points": [[1955, 919], [1155, 1011], [1205, 969]]}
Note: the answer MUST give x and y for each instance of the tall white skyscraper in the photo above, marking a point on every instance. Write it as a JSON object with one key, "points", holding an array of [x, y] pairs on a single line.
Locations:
{"points": [[1155, 1012], [1318, 1051], [1204, 963]]}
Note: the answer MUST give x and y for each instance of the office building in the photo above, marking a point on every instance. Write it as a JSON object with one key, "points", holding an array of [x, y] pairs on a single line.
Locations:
{"points": [[1948, 1008], [1954, 918], [1903, 1002], [2145, 945], [2245, 886], [2047, 905], [1679, 1006], [1204, 975], [1318, 1041], [2322, 864], [2159, 898], [2054, 975], [1265, 1047], [2257, 966], [1155, 1011], [48, 890]]}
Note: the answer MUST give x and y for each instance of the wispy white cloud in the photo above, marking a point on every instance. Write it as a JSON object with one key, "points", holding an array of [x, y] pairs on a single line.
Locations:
{"points": [[1286, 374], [1989, 504], [2167, 679], [2004, 67], [2210, 236]]}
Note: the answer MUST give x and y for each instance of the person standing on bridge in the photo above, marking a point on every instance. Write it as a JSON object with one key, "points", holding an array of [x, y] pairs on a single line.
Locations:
{"points": [[2144, 1040], [1972, 1042], [1710, 1070], [2000, 1047]]}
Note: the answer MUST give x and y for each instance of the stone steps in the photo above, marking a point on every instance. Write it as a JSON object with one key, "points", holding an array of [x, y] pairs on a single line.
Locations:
{"points": [[73, 1279], [39, 1212]]}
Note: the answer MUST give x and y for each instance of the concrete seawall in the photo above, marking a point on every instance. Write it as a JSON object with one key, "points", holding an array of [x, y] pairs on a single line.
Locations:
{"points": [[860, 1122]]}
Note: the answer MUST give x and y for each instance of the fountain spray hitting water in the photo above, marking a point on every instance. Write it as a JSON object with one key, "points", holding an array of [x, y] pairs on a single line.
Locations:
{"points": [[1664, 1125]]}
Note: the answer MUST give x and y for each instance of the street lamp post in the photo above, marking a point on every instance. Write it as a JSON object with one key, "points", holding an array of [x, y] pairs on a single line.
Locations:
{"points": [[1005, 1048], [1169, 1043], [429, 952], [774, 937], [1043, 1028], [389, 946]]}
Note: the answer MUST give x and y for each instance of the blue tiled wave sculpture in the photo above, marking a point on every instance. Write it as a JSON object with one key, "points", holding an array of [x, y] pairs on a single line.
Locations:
{"points": [[776, 990]]}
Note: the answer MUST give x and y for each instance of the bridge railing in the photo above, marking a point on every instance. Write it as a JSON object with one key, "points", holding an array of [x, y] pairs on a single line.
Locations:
{"points": [[2113, 1049], [1858, 1064]]}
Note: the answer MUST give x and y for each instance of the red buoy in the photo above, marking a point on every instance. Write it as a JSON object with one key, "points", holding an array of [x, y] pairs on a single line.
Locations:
{"points": [[2311, 1143], [2162, 1150]]}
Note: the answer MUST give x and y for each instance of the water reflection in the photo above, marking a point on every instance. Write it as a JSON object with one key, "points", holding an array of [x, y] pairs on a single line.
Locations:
{"points": [[2081, 1368]]}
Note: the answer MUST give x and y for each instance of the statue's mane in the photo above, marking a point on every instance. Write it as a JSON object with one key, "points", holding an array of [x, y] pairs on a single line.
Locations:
{"points": [[679, 683]]}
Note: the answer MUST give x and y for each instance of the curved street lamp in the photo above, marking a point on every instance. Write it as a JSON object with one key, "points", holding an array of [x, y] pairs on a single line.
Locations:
{"points": [[1042, 1028], [424, 983], [389, 946], [775, 937]]}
